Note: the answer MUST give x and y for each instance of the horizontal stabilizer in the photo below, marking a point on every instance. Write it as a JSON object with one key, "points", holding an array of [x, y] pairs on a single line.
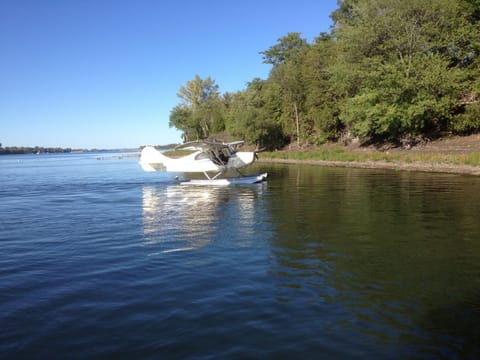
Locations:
{"points": [[152, 160]]}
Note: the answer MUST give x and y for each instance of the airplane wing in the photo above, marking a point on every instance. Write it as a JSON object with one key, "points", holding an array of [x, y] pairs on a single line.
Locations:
{"points": [[208, 145], [235, 144], [195, 145]]}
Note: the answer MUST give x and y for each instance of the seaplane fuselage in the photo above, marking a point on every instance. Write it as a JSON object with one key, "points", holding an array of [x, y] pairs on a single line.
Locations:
{"points": [[199, 161]]}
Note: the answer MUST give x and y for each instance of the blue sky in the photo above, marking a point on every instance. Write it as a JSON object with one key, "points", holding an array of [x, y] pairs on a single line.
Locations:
{"points": [[105, 73]]}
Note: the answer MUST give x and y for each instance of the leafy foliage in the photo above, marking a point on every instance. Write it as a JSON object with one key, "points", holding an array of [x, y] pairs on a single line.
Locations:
{"points": [[200, 112], [389, 70]]}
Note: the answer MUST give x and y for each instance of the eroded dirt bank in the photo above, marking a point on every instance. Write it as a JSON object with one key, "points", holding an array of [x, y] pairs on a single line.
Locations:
{"points": [[449, 145], [425, 167]]}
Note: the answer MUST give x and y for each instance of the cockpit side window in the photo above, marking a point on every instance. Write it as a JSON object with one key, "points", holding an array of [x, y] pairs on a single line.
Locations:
{"points": [[223, 156], [202, 156], [218, 156]]}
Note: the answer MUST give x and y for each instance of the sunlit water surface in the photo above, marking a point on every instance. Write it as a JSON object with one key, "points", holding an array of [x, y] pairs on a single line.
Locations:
{"points": [[99, 259]]}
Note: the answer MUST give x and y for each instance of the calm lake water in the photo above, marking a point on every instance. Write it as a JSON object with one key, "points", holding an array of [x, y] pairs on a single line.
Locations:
{"points": [[101, 260]]}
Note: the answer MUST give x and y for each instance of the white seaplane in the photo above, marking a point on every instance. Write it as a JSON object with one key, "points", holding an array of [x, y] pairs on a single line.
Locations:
{"points": [[214, 159]]}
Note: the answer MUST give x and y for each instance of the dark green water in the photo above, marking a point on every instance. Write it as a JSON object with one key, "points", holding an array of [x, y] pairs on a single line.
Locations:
{"points": [[101, 260], [398, 251]]}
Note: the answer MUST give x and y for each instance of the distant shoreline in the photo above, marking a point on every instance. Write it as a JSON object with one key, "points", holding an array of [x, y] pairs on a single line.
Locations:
{"points": [[15, 151], [29, 150]]}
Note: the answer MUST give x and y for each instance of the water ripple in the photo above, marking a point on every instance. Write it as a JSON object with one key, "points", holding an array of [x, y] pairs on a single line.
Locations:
{"points": [[98, 259]]}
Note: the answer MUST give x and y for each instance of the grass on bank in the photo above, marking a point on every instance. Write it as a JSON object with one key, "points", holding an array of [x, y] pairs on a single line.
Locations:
{"points": [[340, 153]]}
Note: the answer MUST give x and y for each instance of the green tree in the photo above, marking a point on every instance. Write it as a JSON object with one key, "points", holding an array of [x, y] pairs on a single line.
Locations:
{"points": [[405, 59], [323, 95], [200, 112], [287, 49], [286, 57], [255, 115], [182, 119], [390, 70]]}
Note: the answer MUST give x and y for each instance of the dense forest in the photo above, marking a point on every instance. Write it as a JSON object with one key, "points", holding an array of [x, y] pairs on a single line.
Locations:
{"points": [[395, 71]]}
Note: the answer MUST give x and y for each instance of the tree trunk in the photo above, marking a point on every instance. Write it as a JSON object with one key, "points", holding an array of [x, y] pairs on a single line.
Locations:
{"points": [[297, 122]]}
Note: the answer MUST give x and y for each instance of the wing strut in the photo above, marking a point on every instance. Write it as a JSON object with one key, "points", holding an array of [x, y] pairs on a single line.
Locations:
{"points": [[212, 178]]}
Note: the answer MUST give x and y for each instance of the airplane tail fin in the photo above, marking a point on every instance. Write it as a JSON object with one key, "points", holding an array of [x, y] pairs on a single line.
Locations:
{"points": [[152, 160]]}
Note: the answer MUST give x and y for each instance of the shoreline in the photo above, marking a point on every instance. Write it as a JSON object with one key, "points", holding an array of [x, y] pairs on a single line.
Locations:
{"points": [[394, 165]]}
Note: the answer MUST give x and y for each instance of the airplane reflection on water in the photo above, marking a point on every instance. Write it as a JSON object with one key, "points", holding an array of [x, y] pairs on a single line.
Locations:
{"points": [[178, 218]]}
